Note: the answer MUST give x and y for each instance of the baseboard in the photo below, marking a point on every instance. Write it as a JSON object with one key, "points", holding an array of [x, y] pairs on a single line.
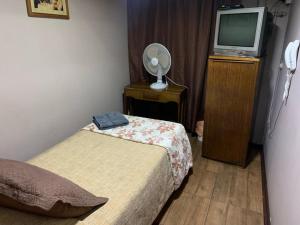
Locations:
{"points": [[265, 191]]}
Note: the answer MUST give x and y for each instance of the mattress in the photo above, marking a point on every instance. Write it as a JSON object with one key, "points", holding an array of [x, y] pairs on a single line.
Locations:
{"points": [[136, 178]]}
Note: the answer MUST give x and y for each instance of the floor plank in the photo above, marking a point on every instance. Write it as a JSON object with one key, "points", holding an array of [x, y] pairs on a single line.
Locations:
{"points": [[239, 188], [223, 184], [198, 215], [216, 214], [236, 216], [254, 169], [216, 193], [180, 210], [206, 184], [255, 199], [214, 166], [192, 184], [254, 218]]}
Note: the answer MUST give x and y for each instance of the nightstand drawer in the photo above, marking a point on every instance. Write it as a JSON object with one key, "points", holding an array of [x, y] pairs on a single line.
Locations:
{"points": [[154, 96], [143, 95]]}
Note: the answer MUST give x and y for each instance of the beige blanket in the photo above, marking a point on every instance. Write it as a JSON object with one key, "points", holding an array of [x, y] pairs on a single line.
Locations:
{"points": [[135, 177]]}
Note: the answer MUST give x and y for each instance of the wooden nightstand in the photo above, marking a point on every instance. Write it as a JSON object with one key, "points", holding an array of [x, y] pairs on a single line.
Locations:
{"points": [[145, 93]]}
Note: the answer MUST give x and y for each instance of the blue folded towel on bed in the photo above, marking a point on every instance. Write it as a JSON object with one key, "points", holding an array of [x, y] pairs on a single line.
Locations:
{"points": [[110, 120]]}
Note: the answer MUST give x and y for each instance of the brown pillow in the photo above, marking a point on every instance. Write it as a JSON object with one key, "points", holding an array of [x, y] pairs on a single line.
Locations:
{"points": [[35, 190]]}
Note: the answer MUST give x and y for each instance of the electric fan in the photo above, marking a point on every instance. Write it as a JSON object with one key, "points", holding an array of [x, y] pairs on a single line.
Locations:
{"points": [[157, 61]]}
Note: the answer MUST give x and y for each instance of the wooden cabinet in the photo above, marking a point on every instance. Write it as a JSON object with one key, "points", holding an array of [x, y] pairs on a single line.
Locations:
{"points": [[229, 104]]}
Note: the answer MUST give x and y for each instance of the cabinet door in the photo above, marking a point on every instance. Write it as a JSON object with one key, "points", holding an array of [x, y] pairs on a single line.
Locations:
{"points": [[230, 94]]}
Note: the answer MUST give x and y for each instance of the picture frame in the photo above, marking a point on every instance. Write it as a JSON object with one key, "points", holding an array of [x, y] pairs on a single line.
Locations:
{"points": [[56, 9]]}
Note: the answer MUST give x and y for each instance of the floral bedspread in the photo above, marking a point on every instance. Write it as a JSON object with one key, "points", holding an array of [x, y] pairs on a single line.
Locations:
{"points": [[171, 136]]}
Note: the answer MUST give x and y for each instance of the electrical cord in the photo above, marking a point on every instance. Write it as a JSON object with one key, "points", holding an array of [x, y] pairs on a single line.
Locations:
{"points": [[273, 99], [276, 120], [284, 102], [173, 82]]}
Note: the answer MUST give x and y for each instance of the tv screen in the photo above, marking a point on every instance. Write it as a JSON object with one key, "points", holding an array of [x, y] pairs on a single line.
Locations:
{"points": [[238, 29]]}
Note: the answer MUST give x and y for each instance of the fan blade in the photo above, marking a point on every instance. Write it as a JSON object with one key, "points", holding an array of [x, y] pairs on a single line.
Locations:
{"points": [[152, 69], [152, 52], [164, 60]]}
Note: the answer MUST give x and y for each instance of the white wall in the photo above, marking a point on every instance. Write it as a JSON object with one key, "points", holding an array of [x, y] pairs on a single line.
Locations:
{"points": [[271, 67], [56, 74], [282, 149]]}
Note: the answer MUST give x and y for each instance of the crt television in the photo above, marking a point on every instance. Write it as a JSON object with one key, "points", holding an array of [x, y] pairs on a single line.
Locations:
{"points": [[240, 31]]}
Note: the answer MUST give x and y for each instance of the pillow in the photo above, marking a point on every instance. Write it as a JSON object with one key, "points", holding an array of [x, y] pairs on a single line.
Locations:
{"points": [[31, 189]]}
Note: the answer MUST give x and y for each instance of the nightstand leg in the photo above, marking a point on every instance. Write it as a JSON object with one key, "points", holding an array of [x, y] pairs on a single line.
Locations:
{"points": [[179, 112], [125, 104], [182, 113], [130, 106]]}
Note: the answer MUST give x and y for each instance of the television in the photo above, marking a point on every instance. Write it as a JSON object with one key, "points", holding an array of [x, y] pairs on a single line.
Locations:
{"points": [[240, 32]]}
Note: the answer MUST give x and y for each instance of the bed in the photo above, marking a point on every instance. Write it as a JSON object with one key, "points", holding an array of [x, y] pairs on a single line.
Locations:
{"points": [[138, 182]]}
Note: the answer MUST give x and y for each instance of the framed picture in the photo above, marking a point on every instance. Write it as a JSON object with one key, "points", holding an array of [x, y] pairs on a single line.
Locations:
{"points": [[58, 9]]}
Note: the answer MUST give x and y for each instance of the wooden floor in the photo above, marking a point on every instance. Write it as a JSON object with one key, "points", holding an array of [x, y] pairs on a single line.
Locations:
{"points": [[217, 194]]}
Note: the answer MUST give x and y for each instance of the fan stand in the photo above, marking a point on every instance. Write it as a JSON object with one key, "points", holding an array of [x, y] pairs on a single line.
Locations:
{"points": [[159, 85]]}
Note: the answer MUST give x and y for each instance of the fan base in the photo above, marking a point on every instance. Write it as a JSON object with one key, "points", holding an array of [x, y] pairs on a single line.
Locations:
{"points": [[158, 86]]}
